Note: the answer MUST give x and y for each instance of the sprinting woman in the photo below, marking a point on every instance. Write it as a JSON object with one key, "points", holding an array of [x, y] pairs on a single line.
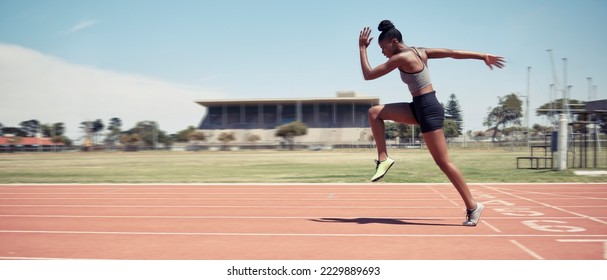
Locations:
{"points": [[425, 109]]}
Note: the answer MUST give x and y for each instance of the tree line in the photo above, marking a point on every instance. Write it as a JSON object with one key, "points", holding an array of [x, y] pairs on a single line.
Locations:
{"points": [[509, 112], [144, 133], [33, 128], [505, 117]]}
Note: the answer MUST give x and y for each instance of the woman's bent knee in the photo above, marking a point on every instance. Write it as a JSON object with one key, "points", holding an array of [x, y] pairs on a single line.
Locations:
{"points": [[375, 111]]}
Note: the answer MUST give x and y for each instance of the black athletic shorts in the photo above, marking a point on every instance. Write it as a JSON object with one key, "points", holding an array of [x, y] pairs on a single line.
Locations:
{"points": [[428, 112]]}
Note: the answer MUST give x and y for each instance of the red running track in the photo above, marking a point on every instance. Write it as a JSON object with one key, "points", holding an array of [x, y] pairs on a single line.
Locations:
{"points": [[301, 221]]}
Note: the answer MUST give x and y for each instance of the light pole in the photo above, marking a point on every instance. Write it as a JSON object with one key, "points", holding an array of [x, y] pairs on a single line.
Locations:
{"points": [[526, 118], [589, 88], [527, 106]]}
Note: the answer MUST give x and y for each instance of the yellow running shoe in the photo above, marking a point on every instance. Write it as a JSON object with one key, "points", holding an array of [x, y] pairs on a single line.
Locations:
{"points": [[381, 168]]}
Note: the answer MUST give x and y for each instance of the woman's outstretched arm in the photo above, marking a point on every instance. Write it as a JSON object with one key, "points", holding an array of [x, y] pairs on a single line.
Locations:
{"points": [[490, 59]]}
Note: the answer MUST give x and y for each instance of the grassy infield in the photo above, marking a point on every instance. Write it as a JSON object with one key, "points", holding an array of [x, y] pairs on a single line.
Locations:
{"points": [[336, 166]]}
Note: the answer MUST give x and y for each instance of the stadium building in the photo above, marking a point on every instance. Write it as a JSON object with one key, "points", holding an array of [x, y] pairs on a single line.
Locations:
{"points": [[331, 121]]}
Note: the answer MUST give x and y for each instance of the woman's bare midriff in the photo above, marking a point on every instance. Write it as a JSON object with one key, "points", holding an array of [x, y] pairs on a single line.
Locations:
{"points": [[424, 90]]}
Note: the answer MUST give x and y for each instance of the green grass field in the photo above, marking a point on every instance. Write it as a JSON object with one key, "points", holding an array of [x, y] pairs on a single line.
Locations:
{"points": [[335, 166]]}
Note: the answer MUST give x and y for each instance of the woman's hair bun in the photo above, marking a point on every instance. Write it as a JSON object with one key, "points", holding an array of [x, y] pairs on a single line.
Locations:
{"points": [[385, 25]]}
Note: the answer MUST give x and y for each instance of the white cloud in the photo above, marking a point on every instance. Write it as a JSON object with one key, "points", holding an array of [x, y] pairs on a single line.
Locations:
{"points": [[37, 86], [81, 25]]}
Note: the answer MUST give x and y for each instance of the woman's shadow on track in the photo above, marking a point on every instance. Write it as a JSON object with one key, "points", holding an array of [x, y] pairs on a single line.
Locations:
{"points": [[387, 221]]}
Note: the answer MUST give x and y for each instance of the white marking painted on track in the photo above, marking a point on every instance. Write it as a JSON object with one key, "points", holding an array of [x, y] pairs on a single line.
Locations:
{"points": [[43, 258], [224, 206], [291, 234], [604, 241], [214, 217], [527, 250], [259, 217], [548, 205], [218, 198], [106, 193], [168, 184], [494, 228], [443, 196], [563, 195]]}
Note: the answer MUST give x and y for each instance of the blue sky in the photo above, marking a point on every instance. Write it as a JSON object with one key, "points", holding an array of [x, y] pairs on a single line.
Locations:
{"points": [[157, 57]]}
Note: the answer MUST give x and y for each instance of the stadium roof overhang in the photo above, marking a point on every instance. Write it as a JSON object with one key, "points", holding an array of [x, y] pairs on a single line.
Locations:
{"points": [[282, 101]]}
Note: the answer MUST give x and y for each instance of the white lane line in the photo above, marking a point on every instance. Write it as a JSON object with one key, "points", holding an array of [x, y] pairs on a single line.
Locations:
{"points": [[527, 250], [113, 192], [564, 195], [292, 234], [268, 217], [43, 258], [169, 184], [224, 217], [491, 226], [203, 206], [220, 198], [252, 206], [222, 206], [548, 205], [443, 196], [604, 241]]}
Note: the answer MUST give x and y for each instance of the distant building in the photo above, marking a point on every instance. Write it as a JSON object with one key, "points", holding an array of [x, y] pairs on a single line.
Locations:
{"points": [[9, 143], [598, 106], [596, 111], [339, 120], [28, 141]]}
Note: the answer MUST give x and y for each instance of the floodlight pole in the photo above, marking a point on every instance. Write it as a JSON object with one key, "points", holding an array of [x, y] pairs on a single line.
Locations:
{"points": [[526, 118], [563, 124], [563, 131], [589, 88], [562, 142], [527, 107], [551, 107], [565, 83]]}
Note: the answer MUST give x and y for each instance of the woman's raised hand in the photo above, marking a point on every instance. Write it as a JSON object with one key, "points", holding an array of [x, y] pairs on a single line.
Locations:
{"points": [[364, 40]]}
